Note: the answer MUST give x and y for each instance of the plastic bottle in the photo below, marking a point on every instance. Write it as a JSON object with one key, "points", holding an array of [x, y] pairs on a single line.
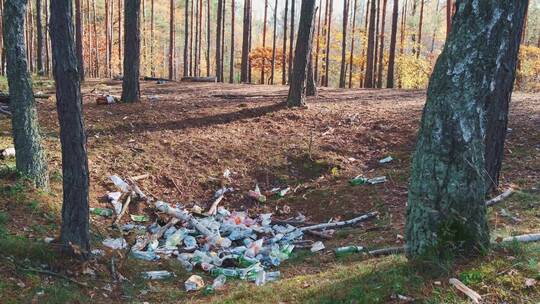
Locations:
{"points": [[106, 212], [359, 180], [349, 249]]}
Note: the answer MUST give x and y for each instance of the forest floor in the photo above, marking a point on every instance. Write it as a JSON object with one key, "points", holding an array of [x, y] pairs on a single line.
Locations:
{"points": [[185, 135]]}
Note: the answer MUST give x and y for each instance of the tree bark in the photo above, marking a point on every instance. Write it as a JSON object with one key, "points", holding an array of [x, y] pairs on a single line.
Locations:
{"points": [[296, 96], [317, 48], [119, 36], [75, 217], [186, 39], [343, 70], [284, 60], [376, 47], [449, 5], [351, 55], [244, 73], [96, 46], [171, 39], [420, 23], [368, 82], [79, 38], [381, 48], [471, 84], [311, 86], [132, 52], [328, 43], [219, 72], [291, 39], [231, 59], [274, 37], [39, 36], [392, 55], [30, 159], [208, 37], [264, 42]]}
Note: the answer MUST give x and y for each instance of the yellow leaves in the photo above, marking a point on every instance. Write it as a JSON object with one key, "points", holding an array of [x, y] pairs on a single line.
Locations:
{"points": [[413, 72], [528, 74]]}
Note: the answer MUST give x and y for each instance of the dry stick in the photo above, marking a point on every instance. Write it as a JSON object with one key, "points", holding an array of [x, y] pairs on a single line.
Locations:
{"points": [[54, 274], [136, 189], [123, 211], [213, 208], [350, 222], [473, 295], [500, 197], [320, 234], [139, 177], [387, 251], [525, 238]]}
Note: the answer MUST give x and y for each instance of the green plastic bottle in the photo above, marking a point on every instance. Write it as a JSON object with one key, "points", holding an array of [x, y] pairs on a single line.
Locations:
{"points": [[102, 211], [359, 180], [349, 249]]}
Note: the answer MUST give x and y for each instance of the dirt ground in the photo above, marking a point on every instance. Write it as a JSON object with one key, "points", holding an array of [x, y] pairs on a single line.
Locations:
{"points": [[184, 135]]}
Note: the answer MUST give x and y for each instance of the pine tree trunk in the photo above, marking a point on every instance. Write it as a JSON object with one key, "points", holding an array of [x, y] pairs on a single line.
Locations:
{"points": [[47, 41], [368, 82], [208, 37], [75, 217], [328, 43], [420, 23], [343, 70], [152, 40], [30, 37], [2, 49], [171, 39], [302, 54], [291, 39], [402, 34], [449, 5], [364, 49], [79, 38], [435, 28], [284, 60], [30, 159], [244, 73], [223, 41], [39, 36], [231, 60], [317, 48], [381, 48], [274, 37], [392, 55], [132, 52], [219, 72], [119, 36], [351, 55], [311, 87], [264, 42], [376, 48], [186, 39], [196, 51], [469, 89]]}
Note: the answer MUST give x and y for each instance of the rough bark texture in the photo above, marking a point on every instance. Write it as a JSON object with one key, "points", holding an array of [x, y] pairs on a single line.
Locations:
{"points": [[420, 24], [244, 73], [393, 40], [471, 83], [343, 68], [301, 55], [79, 38], [30, 158], [132, 52], [368, 82], [75, 225]]}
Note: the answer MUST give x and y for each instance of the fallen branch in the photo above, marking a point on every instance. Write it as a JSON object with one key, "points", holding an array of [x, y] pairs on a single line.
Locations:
{"points": [[500, 197], [213, 209], [387, 251], [147, 78], [526, 238], [4, 97], [473, 295], [123, 211], [350, 222], [199, 79]]}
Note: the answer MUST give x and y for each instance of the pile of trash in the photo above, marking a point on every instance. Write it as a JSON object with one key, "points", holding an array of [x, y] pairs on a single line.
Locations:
{"points": [[220, 242]]}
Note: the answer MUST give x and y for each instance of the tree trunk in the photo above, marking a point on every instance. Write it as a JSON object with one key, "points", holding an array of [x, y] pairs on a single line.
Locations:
{"points": [[351, 56], [119, 36], [219, 72], [392, 55], [39, 36], [343, 70], [311, 86], [317, 48], [223, 41], [231, 60], [197, 33], [171, 39], [264, 42], [420, 23], [95, 42], [368, 82], [291, 39], [132, 51], [302, 53], [449, 5], [2, 49], [30, 159], [244, 73], [469, 89], [376, 47], [79, 38], [186, 39], [46, 36], [284, 60], [75, 217], [435, 27], [402, 34], [328, 43], [273, 68], [381, 48], [364, 49]]}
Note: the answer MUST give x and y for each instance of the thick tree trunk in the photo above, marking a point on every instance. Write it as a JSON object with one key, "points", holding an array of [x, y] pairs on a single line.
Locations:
{"points": [[219, 71], [328, 43], [351, 55], [392, 55], [291, 39], [274, 37], [39, 36], [75, 217], [284, 60], [469, 90], [30, 159], [302, 54], [171, 39], [368, 82], [132, 52], [381, 48], [343, 69], [244, 73]]}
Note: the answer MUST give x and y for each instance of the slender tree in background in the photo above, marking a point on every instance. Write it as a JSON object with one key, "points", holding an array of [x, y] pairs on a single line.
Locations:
{"points": [[376, 47], [420, 23], [302, 53], [381, 48], [328, 42], [244, 73], [119, 36], [47, 56], [186, 39], [368, 82], [364, 49], [2, 50], [152, 40], [171, 39], [449, 5], [435, 27], [402, 34], [291, 39], [95, 42], [219, 71], [197, 35], [351, 55], [311, 86], [75, 217], [30, 160], [39, 37], [318, 46], [223, 41], [393, 40], [274, 37], [343, 70], [284, 58], [446, 209], [79, 37], [264, 41], [208, 36], [231, 60], [132, 51]]}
